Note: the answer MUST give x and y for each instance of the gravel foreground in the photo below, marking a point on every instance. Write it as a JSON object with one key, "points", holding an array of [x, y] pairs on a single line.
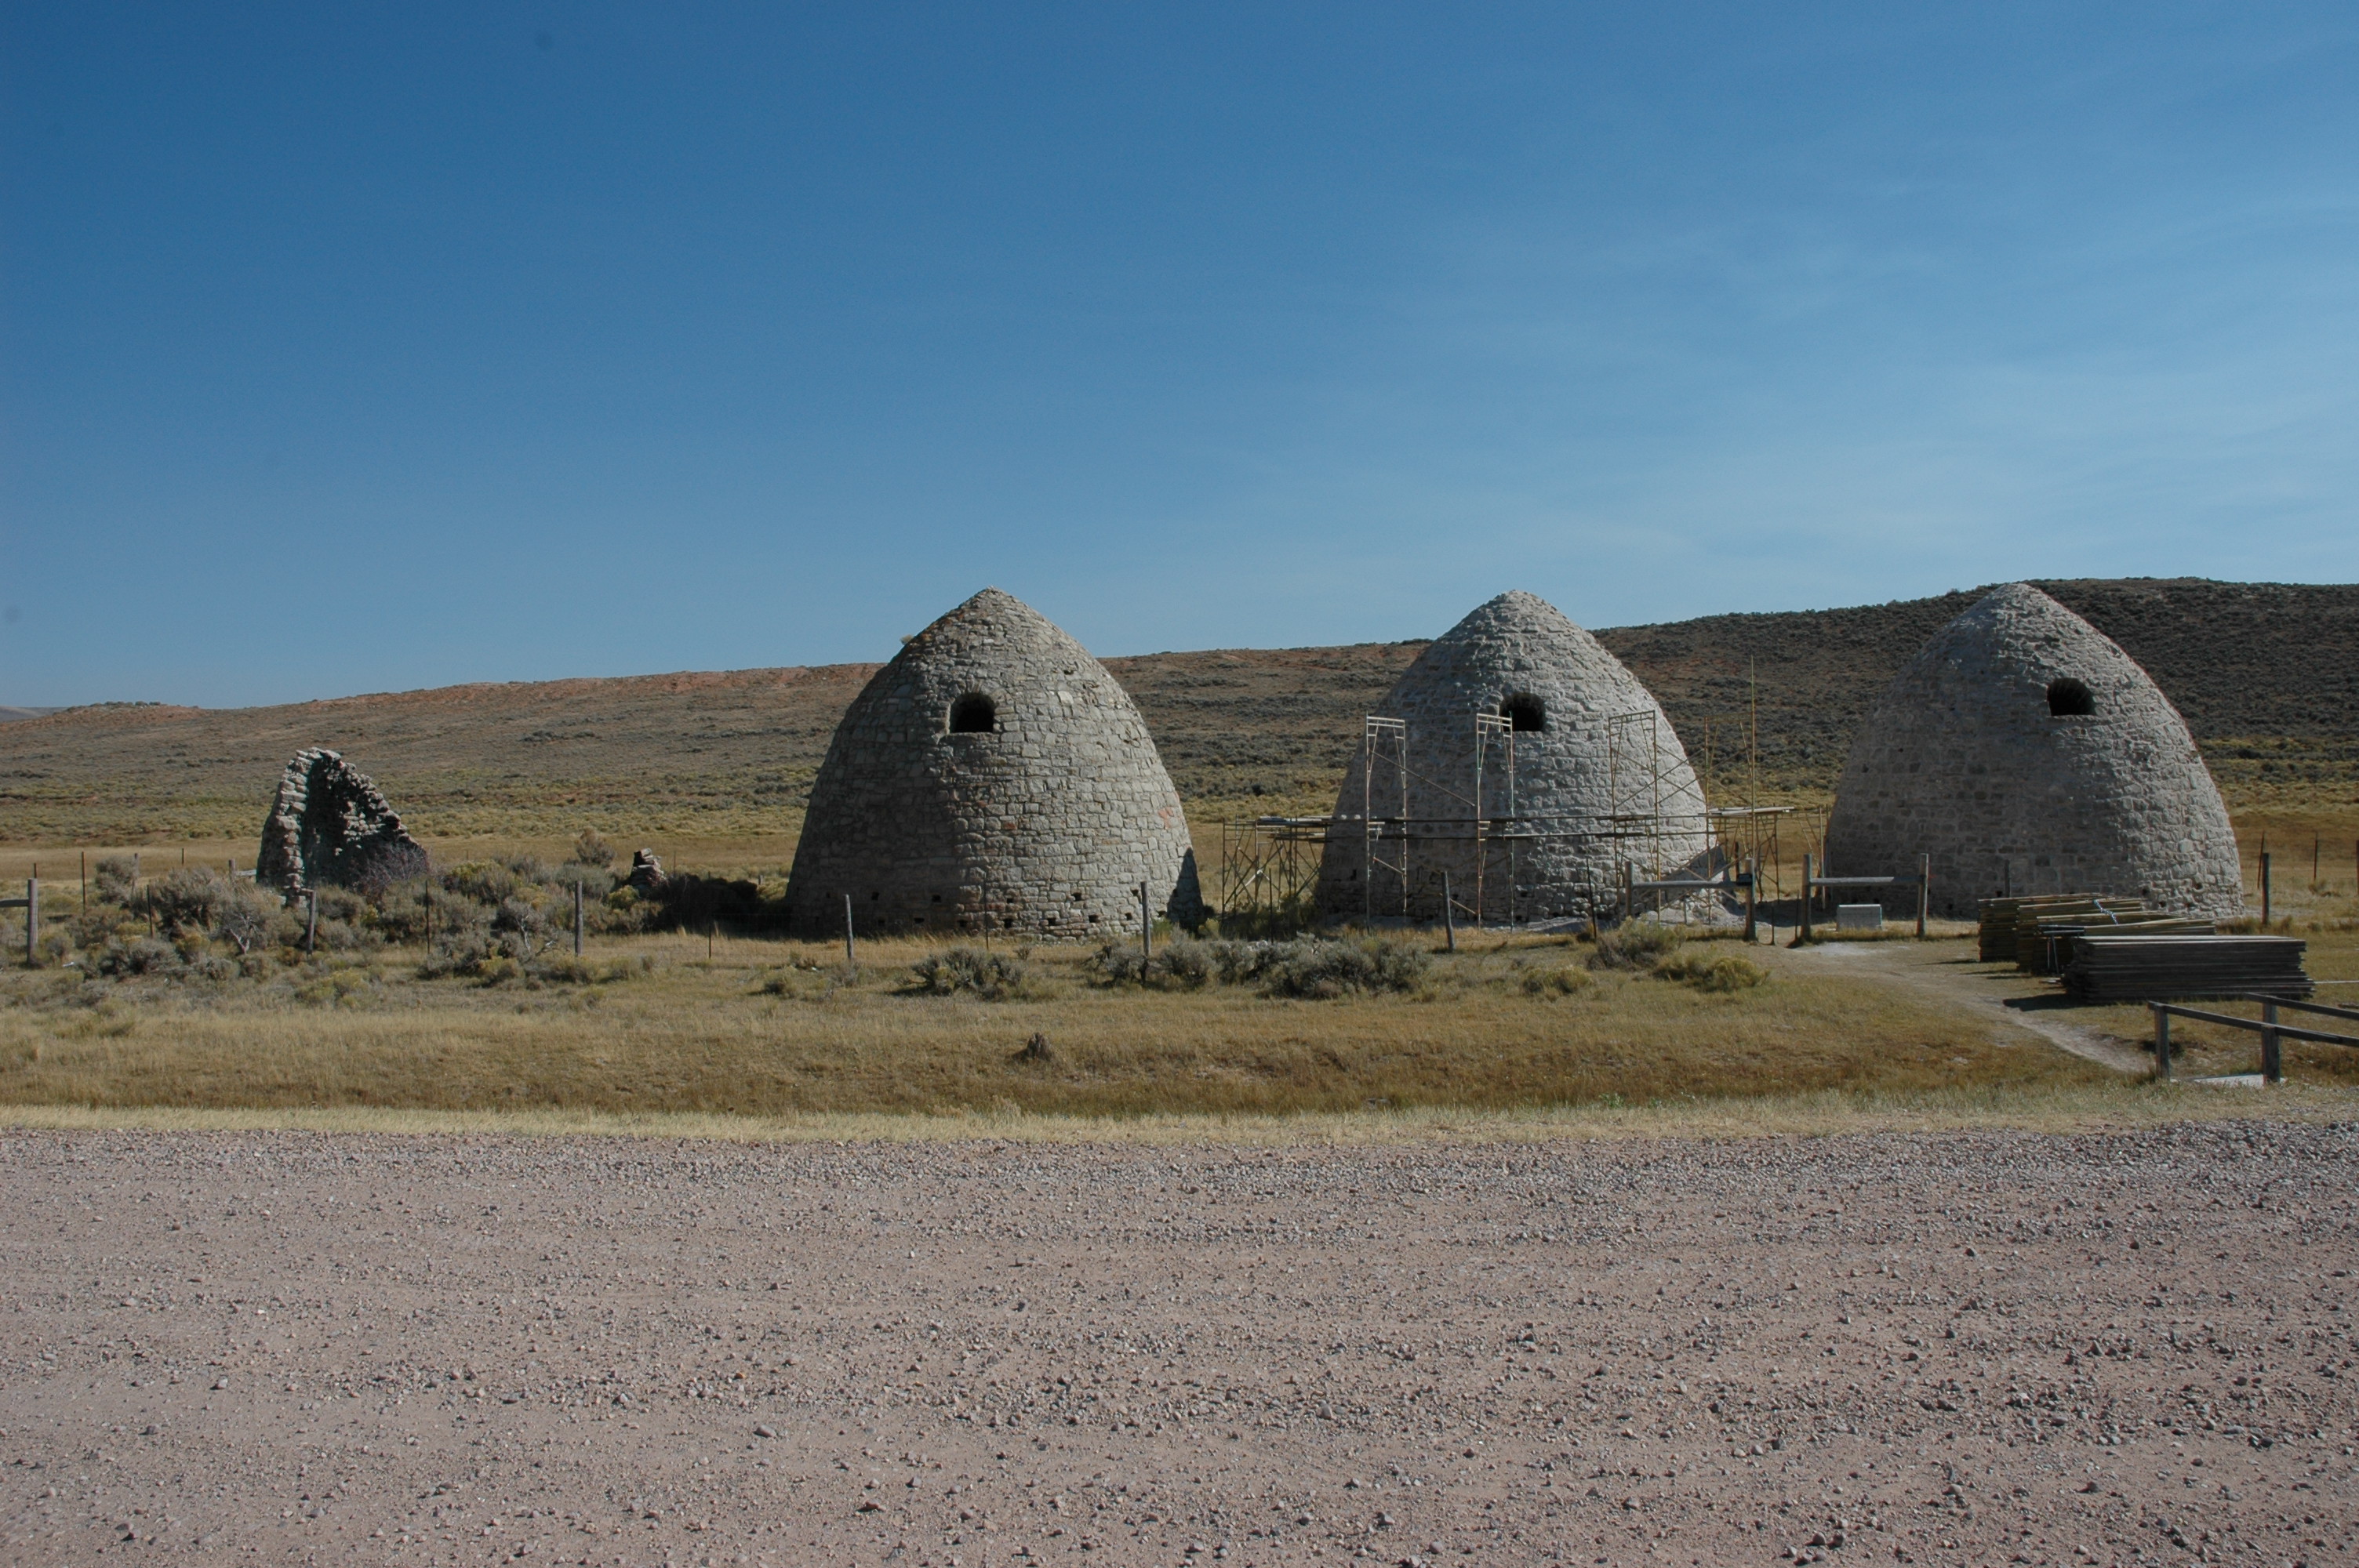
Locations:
{"points": [[1988, 1347]]}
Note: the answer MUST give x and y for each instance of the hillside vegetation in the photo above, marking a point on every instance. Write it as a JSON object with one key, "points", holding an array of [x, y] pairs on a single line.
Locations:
{"points": [[2268, 676]]}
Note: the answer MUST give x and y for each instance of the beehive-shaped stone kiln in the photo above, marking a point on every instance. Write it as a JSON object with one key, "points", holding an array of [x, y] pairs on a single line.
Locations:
{"points": [[2026, 753], [1599, 780], [992, 771]]}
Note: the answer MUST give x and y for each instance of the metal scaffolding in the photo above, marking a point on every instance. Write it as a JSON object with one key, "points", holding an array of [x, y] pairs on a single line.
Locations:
{"points": [[1384, 740], [1272, 863]]}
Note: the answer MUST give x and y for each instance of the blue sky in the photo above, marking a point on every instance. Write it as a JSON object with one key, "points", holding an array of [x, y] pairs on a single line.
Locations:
{"points": [[360, 348]]}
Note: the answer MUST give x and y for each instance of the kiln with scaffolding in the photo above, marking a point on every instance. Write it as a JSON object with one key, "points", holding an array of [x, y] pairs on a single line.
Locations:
{"points": [[1413, 828]]}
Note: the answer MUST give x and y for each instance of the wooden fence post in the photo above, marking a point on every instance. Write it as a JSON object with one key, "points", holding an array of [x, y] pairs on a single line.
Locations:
{"points": [[32, 921], [311, 920], [1804, 935], [1449, 916], [1146, 927], [2265, 889], [2272, 1055], [1924, 890], [851, 956], [2161, 1041]]}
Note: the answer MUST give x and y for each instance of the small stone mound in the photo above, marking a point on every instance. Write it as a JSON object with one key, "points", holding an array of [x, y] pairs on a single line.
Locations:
{"points": [[331, 826], [646, 871]]}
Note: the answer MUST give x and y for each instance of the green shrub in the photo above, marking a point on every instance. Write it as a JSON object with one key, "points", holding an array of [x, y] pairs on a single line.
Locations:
{"points": [[1727, 972], [1184, 963], [1319, 968], [566, 969], [456, 953], [188, 898], [590, 849], [340, 903], [1562, 979], [481, 882], [115, 880], [146, 955], [1634, 945], [521, 916], [595, 881], [993, 976], [1287, 920], [243, 919]]}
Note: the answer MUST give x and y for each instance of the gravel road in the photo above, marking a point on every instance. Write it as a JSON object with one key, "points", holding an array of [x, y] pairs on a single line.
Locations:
{"points": [[2122, 1348]]}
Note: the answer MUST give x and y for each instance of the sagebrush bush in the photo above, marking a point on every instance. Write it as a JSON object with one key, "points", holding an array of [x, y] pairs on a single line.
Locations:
{"points": [[456, 953], [1634, 945], [243, 919], [188, 898], [1318, 968], [1727, 972], [479, 915], [993, 976], [590, 849], [115, 880], [595, 881], [481, 882], [339, 903], [144, 955], [1561, 980], [1184, 963], [1119, 963]]}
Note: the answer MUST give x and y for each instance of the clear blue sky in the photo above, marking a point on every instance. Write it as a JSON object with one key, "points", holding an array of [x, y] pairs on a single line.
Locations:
{"points": [[354, 348]]}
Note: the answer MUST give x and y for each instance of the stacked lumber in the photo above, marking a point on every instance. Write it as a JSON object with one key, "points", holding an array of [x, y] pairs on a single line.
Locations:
{"points": [[2006, 921], [2045, 948], [2135, 968]]}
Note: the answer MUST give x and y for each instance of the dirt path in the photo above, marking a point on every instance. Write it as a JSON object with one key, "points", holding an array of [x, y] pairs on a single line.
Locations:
{"points": [[1948, 972], [1986, 1347]]}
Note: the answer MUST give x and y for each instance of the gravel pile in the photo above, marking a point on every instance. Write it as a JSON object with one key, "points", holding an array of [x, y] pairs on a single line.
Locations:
{"points": [[2127, 1347]]}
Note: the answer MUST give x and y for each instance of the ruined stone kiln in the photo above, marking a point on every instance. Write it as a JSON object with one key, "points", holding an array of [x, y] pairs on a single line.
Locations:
{"points": [[329, 825], [1591, 745], [2026, 753], [992, 766]]}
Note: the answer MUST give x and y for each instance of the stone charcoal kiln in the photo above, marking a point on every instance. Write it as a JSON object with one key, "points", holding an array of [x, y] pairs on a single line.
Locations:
{"points": [[995, 774], [2026, 753]]}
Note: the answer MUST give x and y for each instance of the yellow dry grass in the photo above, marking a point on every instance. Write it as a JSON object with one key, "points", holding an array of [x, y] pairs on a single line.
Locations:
{"points": [[2071, 1108], [751, 1033]]}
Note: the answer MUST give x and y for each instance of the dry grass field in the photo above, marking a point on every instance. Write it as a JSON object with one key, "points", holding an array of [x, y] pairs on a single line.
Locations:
{"points": [[728, 1026], [776, 1029]]}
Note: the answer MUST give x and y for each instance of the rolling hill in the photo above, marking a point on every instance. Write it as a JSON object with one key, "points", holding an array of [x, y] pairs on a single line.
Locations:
{"points": [[2267, 673]]}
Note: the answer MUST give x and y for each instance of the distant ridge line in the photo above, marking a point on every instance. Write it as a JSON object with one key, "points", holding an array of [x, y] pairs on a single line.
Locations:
{"points": [[2266, 675]]}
